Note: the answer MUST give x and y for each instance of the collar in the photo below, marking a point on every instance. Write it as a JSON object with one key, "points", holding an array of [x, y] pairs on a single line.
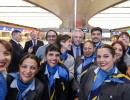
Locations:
{"points": [[97, 70], [97, 44], [15, 41], [56, 75], [4, 72], [93, 58], [76, 46], [31, 87]]}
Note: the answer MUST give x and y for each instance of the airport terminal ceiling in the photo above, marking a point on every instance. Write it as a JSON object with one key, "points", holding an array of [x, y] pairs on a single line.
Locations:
{"points": [[60, 13]]}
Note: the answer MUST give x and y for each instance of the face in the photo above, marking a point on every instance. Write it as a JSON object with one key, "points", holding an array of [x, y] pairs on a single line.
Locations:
{"points": [[28, 70], [51, 37], [53, 58], [33, 36], [18, 37], [125, 39], [118, 50], [67, 45], [77, 38], [105, 60], [5, 58], [88, 49], [96, 36]]}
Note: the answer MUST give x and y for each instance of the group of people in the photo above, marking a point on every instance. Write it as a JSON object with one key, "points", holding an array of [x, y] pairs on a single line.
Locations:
{"points": [[66, 68]]}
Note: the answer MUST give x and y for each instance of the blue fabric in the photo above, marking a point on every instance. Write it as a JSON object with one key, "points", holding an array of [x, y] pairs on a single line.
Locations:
{"points": [[63, 73], [77, 52], [3, 87], [52, 71], [88, 60], [101, 77], [22, 87], [63, 56]]}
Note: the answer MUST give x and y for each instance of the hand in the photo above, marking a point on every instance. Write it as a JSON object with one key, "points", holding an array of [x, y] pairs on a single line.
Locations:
{"points": [[30, 50], [76, 98], [128, 72], [42, 62]]}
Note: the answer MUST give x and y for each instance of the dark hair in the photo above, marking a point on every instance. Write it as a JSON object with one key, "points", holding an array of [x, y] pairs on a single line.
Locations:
{"points": [[96, 29], [50, 31], [52, 47], [15, 32], [123, 33], [123, 47], [109, 47], [7, 45], [89, 42], [62, 38], [31, 56]]}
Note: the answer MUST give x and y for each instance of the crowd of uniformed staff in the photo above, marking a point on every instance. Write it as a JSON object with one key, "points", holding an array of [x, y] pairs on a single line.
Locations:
{"points": [[66, 68]]}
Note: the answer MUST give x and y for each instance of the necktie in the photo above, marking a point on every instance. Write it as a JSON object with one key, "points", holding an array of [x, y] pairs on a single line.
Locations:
{"points": [[52, 71], [34, 43], [3, 87], [20, 46], [77, 52]]}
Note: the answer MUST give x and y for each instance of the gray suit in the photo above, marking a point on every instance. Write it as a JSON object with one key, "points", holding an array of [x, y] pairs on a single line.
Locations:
{"points": [[41, 52]]}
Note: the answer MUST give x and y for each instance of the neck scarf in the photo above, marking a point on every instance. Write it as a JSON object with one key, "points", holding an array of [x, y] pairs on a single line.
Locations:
{"points": [[52, 71], [3, 87], [63, 56], [22, 87], [101, 77], [87, 62]]}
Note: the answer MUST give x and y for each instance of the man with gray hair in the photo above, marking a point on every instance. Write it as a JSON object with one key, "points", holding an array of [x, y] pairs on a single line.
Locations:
{"points": [[76, 48]]}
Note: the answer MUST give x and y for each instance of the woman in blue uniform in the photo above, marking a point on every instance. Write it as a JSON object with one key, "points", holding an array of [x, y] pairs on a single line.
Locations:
{"points": [[54, 75], [5, 58], [23, 85], [85, 61], [105, 82]]}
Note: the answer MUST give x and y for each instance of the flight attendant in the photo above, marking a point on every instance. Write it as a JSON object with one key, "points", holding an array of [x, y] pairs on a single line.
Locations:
{"points": [[54, 75], [23, 85], [105, 82], [5, 58]]}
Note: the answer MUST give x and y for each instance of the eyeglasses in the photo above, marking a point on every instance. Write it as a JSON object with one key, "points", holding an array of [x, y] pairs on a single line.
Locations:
{"points": [[51, 36]]}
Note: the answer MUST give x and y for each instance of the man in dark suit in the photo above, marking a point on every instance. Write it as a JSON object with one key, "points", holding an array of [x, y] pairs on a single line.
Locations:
{"points": [[33, 44], [18, 52], [76, 48]]}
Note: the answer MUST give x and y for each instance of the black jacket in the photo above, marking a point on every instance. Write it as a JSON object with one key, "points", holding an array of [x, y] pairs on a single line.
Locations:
{"points": [[30, 44], [17, 54], [60, 93], [37, 94]]}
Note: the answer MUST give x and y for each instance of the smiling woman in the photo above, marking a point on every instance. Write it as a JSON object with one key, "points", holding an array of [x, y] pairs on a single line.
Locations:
{"points": [[5, 58], [103, 82], [23, 85]]}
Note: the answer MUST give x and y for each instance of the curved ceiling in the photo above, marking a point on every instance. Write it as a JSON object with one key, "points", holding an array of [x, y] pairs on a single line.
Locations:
{"points": [[115, 17], [26, 14], [59, 13]]}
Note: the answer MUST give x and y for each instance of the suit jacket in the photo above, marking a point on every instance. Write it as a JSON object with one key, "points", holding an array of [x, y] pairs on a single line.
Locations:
{"points": [[30, 44], [108, 91], [60, 93], [37, 94], [17, 54], [71, 52]]}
